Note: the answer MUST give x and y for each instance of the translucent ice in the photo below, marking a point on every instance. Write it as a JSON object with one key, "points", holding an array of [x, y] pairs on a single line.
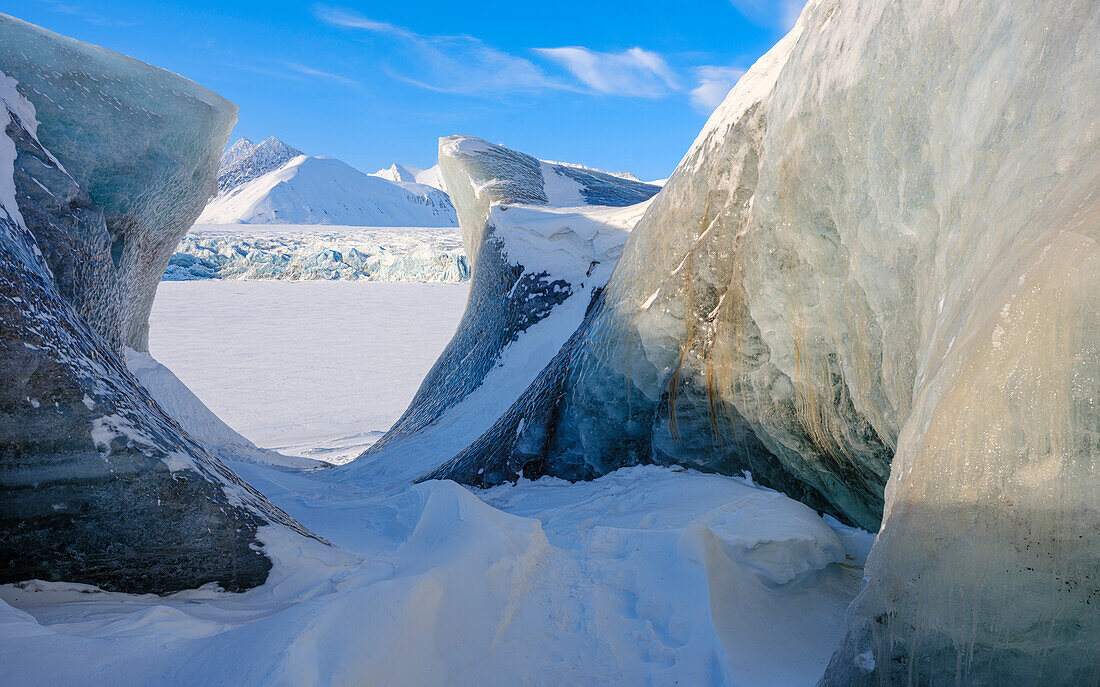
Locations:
{"points": [[104, 163], [877, 262], [541, 238]]}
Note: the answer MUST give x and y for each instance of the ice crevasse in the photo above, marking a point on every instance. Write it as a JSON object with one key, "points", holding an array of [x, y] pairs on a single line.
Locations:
{"points": [[104, 164], [873, 282]]}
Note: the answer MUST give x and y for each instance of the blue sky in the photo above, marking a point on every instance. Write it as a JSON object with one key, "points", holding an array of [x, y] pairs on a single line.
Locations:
{"points": [[613, 84]]}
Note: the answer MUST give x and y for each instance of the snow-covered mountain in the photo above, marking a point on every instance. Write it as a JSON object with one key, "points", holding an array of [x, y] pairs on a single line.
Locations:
{"points": [[324, 190], [245, 161], [404, 173]]}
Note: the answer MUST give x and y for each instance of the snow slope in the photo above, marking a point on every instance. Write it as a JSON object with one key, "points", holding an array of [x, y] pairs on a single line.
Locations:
{"points": [[324, 190], [319, 252], [199, 421]]}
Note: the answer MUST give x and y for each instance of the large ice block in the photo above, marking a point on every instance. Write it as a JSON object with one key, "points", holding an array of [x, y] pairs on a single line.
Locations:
{"points": [[104, 163], [872, 282], [539, 235]]}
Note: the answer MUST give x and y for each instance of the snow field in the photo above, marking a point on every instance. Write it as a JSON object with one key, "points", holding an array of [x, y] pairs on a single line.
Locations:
{"points": [[316, 369]]}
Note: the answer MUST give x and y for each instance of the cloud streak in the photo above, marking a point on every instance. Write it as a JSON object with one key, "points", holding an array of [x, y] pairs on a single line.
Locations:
{"points": [[310, 71], [90, 17], [349, 19], [634, 72], [449, 64], [467, 65]]}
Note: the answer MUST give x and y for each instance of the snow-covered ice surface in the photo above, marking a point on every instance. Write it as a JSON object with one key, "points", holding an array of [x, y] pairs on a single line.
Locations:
{"points": [[199, 421], [646, 576], [319, 252], [315, 369]]}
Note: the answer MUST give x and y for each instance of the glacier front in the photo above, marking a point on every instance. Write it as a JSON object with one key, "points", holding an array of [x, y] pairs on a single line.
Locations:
{"points": [[319, 252]]}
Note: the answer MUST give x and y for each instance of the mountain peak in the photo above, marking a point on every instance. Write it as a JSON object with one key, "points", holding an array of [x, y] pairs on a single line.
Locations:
{"points": [[245, 161], [412, 175]]}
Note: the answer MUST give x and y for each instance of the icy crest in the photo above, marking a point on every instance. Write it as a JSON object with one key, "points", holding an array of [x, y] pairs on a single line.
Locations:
{"points": [[411, 175], [535, 268]]}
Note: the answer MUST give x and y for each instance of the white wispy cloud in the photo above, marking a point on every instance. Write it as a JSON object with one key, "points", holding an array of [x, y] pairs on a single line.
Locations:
{"points": [[310, 71], [449, 64], [713, 84], [350, 19], [468, 65], [633, 72], [781, 14]]}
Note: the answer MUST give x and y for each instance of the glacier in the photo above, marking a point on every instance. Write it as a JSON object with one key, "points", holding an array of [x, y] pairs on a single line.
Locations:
{"points": [[872, 283], [104, 164], [319, 252]]}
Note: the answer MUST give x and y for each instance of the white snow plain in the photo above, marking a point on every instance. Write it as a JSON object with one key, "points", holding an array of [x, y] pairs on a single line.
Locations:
{"points": [[317, 369]]}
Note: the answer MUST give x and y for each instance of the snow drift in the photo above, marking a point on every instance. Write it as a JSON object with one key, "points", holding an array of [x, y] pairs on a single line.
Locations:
{"points": [[324, 190], [104, 163], [872, 282]]}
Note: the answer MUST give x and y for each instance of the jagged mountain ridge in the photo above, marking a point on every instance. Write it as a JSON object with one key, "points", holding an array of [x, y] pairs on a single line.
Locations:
{"points": [[245, 161], [414, 175]]}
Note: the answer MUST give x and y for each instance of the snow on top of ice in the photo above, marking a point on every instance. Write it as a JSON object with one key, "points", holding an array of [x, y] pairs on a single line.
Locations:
{"points": [[515, 177], [621, 175], [560, 190], [564, 242], [13, 103]]}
